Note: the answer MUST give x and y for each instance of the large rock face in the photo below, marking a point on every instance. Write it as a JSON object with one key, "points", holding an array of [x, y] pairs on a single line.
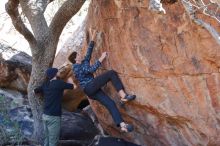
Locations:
{"points": [[169, 62]]}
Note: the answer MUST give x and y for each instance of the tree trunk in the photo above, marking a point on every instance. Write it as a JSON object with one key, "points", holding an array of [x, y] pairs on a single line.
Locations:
{"points": [[39, 66]]}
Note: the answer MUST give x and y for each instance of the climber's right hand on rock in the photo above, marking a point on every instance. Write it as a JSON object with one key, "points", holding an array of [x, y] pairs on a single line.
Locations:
{"points": [[93, 33], [103, 56]]}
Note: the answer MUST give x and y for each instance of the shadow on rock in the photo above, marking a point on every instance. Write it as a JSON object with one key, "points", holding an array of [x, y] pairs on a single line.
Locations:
{"points": [[77, 129], [110, 141]]}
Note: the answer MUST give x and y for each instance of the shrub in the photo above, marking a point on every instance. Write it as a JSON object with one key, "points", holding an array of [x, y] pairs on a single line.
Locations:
{"points": [[10, 131]]}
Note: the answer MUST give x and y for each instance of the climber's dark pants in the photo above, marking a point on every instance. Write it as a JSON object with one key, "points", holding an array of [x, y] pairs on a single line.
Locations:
{"points": [[94, 91]]}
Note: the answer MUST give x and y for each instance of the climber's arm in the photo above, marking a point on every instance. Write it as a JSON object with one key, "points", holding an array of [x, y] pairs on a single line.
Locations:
{"points": [[91, 46], [89, 51]]}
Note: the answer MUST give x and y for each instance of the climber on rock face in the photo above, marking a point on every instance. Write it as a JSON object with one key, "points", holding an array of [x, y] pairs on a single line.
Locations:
{"points": [[92, 86], [52, 91]]}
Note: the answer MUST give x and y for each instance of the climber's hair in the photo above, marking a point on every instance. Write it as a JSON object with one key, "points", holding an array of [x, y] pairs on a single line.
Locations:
{"points": [[72, 57]]}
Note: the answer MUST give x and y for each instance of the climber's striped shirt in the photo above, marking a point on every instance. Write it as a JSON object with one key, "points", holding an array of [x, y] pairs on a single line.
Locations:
{"points": [[84, 71]]}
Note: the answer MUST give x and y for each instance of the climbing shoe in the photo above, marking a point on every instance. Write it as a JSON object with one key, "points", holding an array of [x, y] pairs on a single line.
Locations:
{"points": [[127, 128], [126, 99]]}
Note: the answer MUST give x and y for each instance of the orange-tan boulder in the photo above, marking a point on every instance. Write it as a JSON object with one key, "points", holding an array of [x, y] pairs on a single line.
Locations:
{"points": [[169, 62]]}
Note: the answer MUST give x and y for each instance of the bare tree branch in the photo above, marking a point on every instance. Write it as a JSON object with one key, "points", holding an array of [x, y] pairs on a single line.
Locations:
{"points": [[34, 11], [63, 15], [11, 8]]}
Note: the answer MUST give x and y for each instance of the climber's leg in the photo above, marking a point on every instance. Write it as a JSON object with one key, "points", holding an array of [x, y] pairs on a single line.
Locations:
{"points": [[101, 80], [112, 108], [109, 104]]}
